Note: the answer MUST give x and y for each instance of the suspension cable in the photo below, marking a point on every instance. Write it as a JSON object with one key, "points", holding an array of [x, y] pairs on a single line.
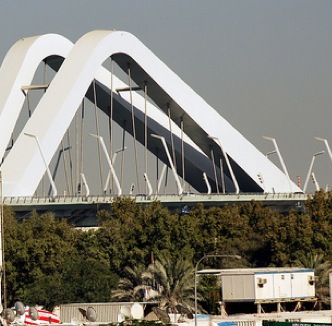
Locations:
{"points": [[182, 154], [81, 168], [145, 131], [171, 136], [166, 180], [134, 129], [44, 81], [98, 132], [70, 164], [110, 121], [122, 152], [214, 170], [222, 176], [65, 166], [77, 160]]}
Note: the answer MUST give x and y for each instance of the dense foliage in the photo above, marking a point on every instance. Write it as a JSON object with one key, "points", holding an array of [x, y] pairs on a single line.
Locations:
{"points": [[50, 262]]}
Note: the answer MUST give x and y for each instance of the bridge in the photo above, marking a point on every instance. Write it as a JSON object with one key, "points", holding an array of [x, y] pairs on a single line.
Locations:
{"points": [[81, 211], [105, 117]]}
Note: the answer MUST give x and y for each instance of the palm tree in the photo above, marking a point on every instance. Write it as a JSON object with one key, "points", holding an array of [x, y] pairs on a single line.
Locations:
{"points": [[169, 282], [130, 288], [322, 269], [174, 282]]}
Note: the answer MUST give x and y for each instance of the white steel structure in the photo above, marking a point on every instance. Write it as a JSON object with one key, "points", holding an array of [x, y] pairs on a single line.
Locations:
{"points": [[197, 131]]}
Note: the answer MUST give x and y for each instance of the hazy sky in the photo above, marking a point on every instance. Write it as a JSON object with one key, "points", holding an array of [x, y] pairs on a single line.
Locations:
{"points": [[265, 65]]}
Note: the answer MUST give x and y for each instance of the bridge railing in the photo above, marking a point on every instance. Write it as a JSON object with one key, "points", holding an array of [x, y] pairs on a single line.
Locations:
{"points": [[187, 197]]}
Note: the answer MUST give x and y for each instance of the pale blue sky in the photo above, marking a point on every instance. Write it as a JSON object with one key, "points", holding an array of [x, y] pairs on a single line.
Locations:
{"points": [[265, 65]]}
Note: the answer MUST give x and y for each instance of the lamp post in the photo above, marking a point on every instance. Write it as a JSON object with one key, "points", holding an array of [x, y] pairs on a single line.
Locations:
{"points": [[270, 153], [103, 146], [276, 149], [327, 146], [113, 162], [54, 189], [310, 169], [176, 177], [196, 268]]}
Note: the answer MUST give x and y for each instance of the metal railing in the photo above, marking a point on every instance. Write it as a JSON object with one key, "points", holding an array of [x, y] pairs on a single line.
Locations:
{"points": [[187, 197]]}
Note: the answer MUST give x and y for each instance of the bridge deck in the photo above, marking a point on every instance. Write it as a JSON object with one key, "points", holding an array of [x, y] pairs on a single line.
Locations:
{"points": [[81, 211]]}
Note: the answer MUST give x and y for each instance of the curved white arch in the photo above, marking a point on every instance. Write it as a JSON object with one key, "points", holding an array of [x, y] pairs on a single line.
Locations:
{"points": [[17, 70], [26, 55], [69, 86]]}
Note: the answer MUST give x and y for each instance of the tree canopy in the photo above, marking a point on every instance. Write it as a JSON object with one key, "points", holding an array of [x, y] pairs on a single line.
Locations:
{"points": [[50, 262]]}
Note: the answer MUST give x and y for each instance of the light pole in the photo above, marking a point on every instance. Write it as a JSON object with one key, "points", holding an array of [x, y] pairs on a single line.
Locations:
{"points": [[113, 162], [196, 268], [54, 189], [176, 177], [270, 153], [327, 146], [205, 178], [103, 146], [310, 169], [283, 165], [87, 193]]}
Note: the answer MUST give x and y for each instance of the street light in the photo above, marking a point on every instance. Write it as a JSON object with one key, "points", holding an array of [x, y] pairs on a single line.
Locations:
{"points": [[270, 153], [314, 180], [87, 189], [113, 162], [205, 178], [150, 190], [310, 169], [283, 165], [103, 146], [55, 191], [175, 175], [196, 268], [327, 146]]}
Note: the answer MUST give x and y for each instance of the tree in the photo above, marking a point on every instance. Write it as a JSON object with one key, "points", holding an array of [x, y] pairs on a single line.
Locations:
{"points": [[210, 293], [43, 252], [322, 269], [174, 282], [34, 249], [131, 287], [319, 208], [119, 235]]}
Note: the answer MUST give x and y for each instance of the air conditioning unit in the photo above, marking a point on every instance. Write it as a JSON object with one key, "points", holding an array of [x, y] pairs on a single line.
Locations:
{"points": [[261, 282], [312, 279]]}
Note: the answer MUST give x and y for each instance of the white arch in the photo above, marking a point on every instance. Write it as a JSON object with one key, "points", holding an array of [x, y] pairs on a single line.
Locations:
{"points": [[17, 70], [26, 55], [69, 86]]}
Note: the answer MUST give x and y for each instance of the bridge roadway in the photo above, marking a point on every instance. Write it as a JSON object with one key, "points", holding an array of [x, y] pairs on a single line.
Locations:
{"points": [[81, 211]]}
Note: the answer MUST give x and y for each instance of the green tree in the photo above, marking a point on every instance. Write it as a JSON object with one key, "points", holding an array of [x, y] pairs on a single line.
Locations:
{"points": [[319, 208], [119, 233], [322, 269], [210, 293], [131, 287], [89, 269], [174, 282], [34, 249]]}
